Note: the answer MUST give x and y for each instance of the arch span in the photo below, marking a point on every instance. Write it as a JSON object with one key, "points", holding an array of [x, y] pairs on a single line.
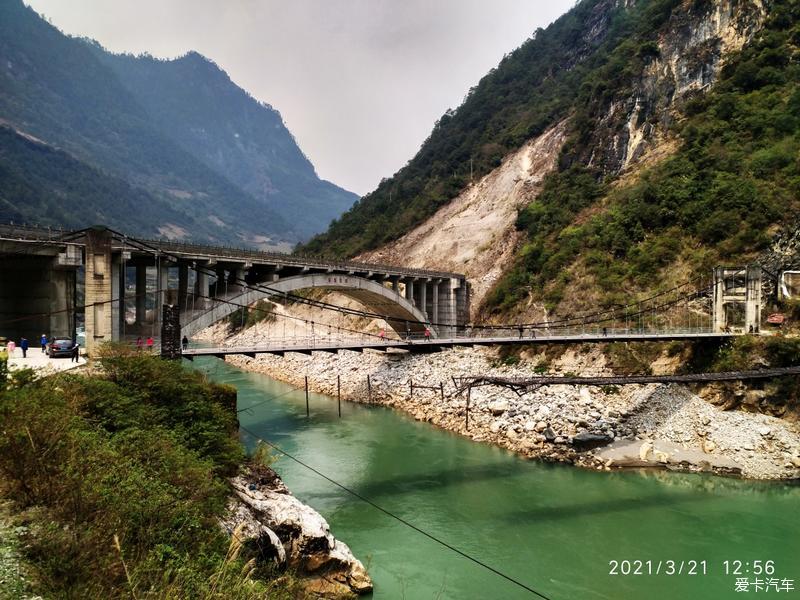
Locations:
{"points": [[375, 297]]}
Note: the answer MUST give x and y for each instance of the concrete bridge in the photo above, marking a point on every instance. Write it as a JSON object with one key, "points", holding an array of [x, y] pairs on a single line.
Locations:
{"points": [[47, 277]]}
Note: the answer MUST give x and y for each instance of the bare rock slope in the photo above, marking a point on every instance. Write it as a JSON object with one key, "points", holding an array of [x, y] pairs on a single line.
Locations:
{"points": [[474, 234]]}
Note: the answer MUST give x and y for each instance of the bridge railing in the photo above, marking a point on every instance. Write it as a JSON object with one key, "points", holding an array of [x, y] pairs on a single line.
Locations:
{"points": [[333, 339], [292, 259]]}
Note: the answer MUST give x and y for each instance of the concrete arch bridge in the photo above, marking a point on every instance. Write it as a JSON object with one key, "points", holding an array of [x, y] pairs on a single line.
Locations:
{"points": [[127, 282]]}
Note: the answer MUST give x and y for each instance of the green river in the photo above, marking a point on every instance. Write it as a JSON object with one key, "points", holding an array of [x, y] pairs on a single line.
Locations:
{"points": [[553, 528]]}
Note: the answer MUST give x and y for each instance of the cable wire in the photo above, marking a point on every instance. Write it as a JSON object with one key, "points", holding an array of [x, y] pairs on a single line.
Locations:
{"points": [[397, 517]]}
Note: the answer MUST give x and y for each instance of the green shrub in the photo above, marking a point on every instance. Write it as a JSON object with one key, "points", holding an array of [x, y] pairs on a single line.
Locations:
{"points": [[126, 476]]}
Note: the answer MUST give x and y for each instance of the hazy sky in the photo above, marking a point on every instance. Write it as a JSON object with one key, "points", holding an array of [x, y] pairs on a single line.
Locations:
{"points": [[358, 82]]}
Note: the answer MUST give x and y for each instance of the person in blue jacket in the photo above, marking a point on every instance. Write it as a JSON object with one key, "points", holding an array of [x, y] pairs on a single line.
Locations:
{"points": [[43, 341], [23, 343]]}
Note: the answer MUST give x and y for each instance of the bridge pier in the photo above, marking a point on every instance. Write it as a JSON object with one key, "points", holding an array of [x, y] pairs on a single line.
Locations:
{"points": [[409, 292], [201, 286], [162, 289], [423, 298], [117, 296], [183, 285], [737, 299], [434, 312], [98, 289], [462, 303], [141, 294]]}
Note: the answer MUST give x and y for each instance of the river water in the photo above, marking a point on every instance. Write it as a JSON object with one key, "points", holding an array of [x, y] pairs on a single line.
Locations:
{"points": [[553, 528]]}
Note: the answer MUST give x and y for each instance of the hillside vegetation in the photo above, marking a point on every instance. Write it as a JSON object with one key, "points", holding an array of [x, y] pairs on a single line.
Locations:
{"points": [[120, 480], [734, 176], [39, 183], [728, 184], [530, 90]]}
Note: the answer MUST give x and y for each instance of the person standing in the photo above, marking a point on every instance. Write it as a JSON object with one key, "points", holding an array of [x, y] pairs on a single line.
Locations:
{"points": [[150, 343], [139, 344], [43, 342], [185, 343], [23, 343], [76, 353], [427, 334], [10, 347]]}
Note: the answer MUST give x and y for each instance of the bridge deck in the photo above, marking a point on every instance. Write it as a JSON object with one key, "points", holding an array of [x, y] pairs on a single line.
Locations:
{"points": [[435, 345]]}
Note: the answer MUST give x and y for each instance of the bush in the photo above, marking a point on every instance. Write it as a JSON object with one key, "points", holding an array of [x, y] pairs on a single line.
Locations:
{"points": [[126, 475]]}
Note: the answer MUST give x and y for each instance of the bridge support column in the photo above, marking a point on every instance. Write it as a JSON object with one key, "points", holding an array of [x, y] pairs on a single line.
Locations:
{"points": [[396, 285], [170, 332], [221, 287], [183, 285], [201, 287], [434, 313], [410, 290], [141, 294], [237, 280], [752, 311], [462, 304], [423, 297], [446, 308], [98, 289], [118, 297], [162, 288]]}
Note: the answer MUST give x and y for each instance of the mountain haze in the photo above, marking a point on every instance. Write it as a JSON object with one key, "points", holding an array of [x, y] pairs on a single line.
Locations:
{"points": [[72, 95], [196, 105]]}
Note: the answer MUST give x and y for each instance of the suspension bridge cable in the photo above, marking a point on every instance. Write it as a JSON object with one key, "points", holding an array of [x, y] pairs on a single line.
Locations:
{"points": [[397, 517]]}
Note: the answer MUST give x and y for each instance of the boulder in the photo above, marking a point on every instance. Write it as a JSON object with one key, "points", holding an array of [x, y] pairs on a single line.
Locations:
{"points": [[549, 434], [498, 407], [587, 441], [326, 564]]}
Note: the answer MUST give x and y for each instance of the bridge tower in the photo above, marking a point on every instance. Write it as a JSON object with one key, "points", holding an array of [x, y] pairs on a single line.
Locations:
{"points": [[737, 299]]}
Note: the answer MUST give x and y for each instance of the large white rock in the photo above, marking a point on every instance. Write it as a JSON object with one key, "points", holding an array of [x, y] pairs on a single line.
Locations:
{"points": [[498, 407], [309, 547]]}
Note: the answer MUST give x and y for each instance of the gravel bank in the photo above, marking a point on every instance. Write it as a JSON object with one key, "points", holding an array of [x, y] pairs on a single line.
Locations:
{"points": [[672, 427]]}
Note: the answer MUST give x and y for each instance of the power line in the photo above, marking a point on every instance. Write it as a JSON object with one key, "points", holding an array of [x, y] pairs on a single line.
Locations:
{"points": [[397, 517]]}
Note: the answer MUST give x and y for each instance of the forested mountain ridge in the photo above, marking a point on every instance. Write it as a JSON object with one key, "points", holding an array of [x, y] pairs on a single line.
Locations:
{"points": [[196, 105], [40, 183], [58, 89], [704, 91]]}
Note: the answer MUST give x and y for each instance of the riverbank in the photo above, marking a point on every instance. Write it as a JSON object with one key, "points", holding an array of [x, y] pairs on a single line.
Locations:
{"points": [[660, 426], [132, 477]]}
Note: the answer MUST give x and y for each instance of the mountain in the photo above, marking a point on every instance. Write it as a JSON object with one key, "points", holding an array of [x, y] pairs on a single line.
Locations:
{"points": [[195, 104], [72, 95], [40, 183], [627, 147]]}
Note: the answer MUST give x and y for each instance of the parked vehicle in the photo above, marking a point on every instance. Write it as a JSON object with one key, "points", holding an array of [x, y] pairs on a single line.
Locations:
{"points": [[60, 346]]}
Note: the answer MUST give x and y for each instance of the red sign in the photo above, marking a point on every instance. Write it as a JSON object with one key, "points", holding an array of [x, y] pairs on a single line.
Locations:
{"points": [[776, 318]]}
